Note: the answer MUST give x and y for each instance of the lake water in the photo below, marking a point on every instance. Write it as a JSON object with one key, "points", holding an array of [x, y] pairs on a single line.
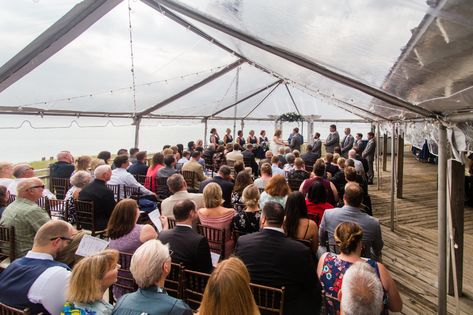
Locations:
{"points": [[31, 144]]}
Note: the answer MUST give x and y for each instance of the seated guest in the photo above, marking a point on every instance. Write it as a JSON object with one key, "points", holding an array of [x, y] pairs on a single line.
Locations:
{"points": [[249, 155], [105, 156], [297, 224], [266, 173], [339, 178], [238, 167], [133, 153], [275, 169], [169, 167], [224, 180], [94, 164], [358, 164], [157, 162], [228, 290], [4, 194], [194, 166], [361, 291], [6, 173], [101, 195], [242, 180], [189, 248], [151, 298], [83, 163], [139, 167], [330, 169], [78, 181], [121, 177], [266, 254], [282, 157], [178, 187], [228, 148], [25, 215], [317, 201], [319, 170], [219, 157], [352, 177], [208, 153], [276, 190], [22, 171], [289, 166], [67, 255], [298, 172], [90, 278], [246, 219], [331, 267], [309, 157], [36, 281], [64, 167], [351, 212], [235, 155], [217, 216]]}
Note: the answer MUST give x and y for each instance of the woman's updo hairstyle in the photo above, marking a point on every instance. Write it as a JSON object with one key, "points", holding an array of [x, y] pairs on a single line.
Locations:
{"points": [[347, 236]]}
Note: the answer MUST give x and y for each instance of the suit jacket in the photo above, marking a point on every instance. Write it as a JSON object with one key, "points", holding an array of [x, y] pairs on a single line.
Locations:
{"points": [[309, 158], [317, 147], [346, 144], [198, 169], [250, 155], [369, 151], [359, 143], [189, 248], [103, 198], [332, 141], [296, 142], [227, 188], [138, 168], [274, 260], [371, 228], [62, 169]]}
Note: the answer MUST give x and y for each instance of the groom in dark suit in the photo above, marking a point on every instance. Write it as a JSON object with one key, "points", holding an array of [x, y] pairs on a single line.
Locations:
{"points": [[277, 261], [189, 248]]}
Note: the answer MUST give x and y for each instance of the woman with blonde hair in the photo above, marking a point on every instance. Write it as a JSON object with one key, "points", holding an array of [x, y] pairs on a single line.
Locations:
{"points": [[228, 291], [90, 278], [83, 163], [332, 267], [217, 216], [276, 190], [247, 220]]}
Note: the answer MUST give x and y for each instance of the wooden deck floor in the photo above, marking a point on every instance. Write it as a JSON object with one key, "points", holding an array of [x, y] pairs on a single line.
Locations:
{"points": [[410, 252]]}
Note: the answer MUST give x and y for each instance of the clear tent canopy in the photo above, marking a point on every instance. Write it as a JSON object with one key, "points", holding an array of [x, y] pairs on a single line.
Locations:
{"points": [[379, 61]]}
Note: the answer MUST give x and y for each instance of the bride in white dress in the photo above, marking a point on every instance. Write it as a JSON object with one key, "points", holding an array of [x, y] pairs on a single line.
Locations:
{"points": [[276, 142]]}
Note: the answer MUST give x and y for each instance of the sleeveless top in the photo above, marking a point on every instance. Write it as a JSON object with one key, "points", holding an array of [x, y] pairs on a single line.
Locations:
{"points": [[227, 139], [253, 140], [128, 243], [332, 276], [240, 141]]}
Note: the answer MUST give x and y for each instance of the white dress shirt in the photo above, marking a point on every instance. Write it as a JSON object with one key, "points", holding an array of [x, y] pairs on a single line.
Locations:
{"points": [[120, 176], [49, 289]]}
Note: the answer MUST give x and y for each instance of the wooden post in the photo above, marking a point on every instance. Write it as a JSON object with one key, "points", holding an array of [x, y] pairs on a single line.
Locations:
{"points": [[205, 131], [455, 200], [442, 222], [400, 164], [378, 152], [393, 174], [385, 152]]}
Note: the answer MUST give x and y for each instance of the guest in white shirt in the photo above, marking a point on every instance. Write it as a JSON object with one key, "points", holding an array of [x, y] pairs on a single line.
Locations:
{"points": [[275, 166]]}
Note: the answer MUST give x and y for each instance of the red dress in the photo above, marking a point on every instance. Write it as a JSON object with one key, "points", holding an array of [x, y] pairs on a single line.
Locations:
{"points": [[151, 175], [317, 210]]}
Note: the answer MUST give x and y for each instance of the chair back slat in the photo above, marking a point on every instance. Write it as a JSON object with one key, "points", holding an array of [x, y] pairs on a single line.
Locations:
{"points": [[132, 192], [7, 243], [194, 287], [42, 202], [189, 177], [59, 186], [269, 300], [173, 283], [140, 179], [57, 208], [215, 237], [116, 191], [171, 223], [8, 310], [11, 198], [85, 213]]}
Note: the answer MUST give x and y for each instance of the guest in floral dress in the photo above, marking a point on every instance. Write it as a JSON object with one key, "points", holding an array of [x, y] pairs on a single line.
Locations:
{"points": [[78, 181], [247, 219], [242, 180]]}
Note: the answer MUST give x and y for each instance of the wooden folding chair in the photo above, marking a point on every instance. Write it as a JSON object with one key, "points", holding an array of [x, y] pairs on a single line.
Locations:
{"points": [[140, 179], [42, 202], [269, 300], [11, 198], [194, 284], [125, 282], [85, 213], [215, 237], [57, 208], [7, 246], [209, 164], [8, 310], [189, 177], [162, 191], [116, 191], [132, 192], [174, 281], [59, 186]]}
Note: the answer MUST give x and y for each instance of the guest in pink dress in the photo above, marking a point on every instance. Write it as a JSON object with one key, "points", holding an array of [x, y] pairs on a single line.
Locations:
{"points": [[217, 216], [157, 162]]}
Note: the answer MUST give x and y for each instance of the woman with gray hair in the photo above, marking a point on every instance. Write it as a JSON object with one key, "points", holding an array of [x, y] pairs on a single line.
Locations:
{"points": [[151, 297], [78, 181]]}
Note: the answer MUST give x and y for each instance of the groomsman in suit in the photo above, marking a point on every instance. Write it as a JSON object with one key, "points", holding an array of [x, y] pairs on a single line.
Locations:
{"points": [[274, 260], [333, 139], [359, 141], [347, 143], [317, 146], [368, 154]]}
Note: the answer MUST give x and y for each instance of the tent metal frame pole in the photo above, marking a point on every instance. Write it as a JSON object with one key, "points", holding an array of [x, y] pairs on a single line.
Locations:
{"points": [[262, 101], [296, 59], [378, 184], [237, 83], [137, 122], [393, 174], [442, 223], [205, 131]]}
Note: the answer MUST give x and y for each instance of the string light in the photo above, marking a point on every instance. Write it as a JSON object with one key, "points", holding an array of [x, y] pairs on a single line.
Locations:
{"points": [[73, 122]]}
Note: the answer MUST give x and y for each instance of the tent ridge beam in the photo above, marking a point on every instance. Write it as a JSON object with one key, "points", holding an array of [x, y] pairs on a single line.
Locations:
{"points": [[296, 59], [191, 88]]}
